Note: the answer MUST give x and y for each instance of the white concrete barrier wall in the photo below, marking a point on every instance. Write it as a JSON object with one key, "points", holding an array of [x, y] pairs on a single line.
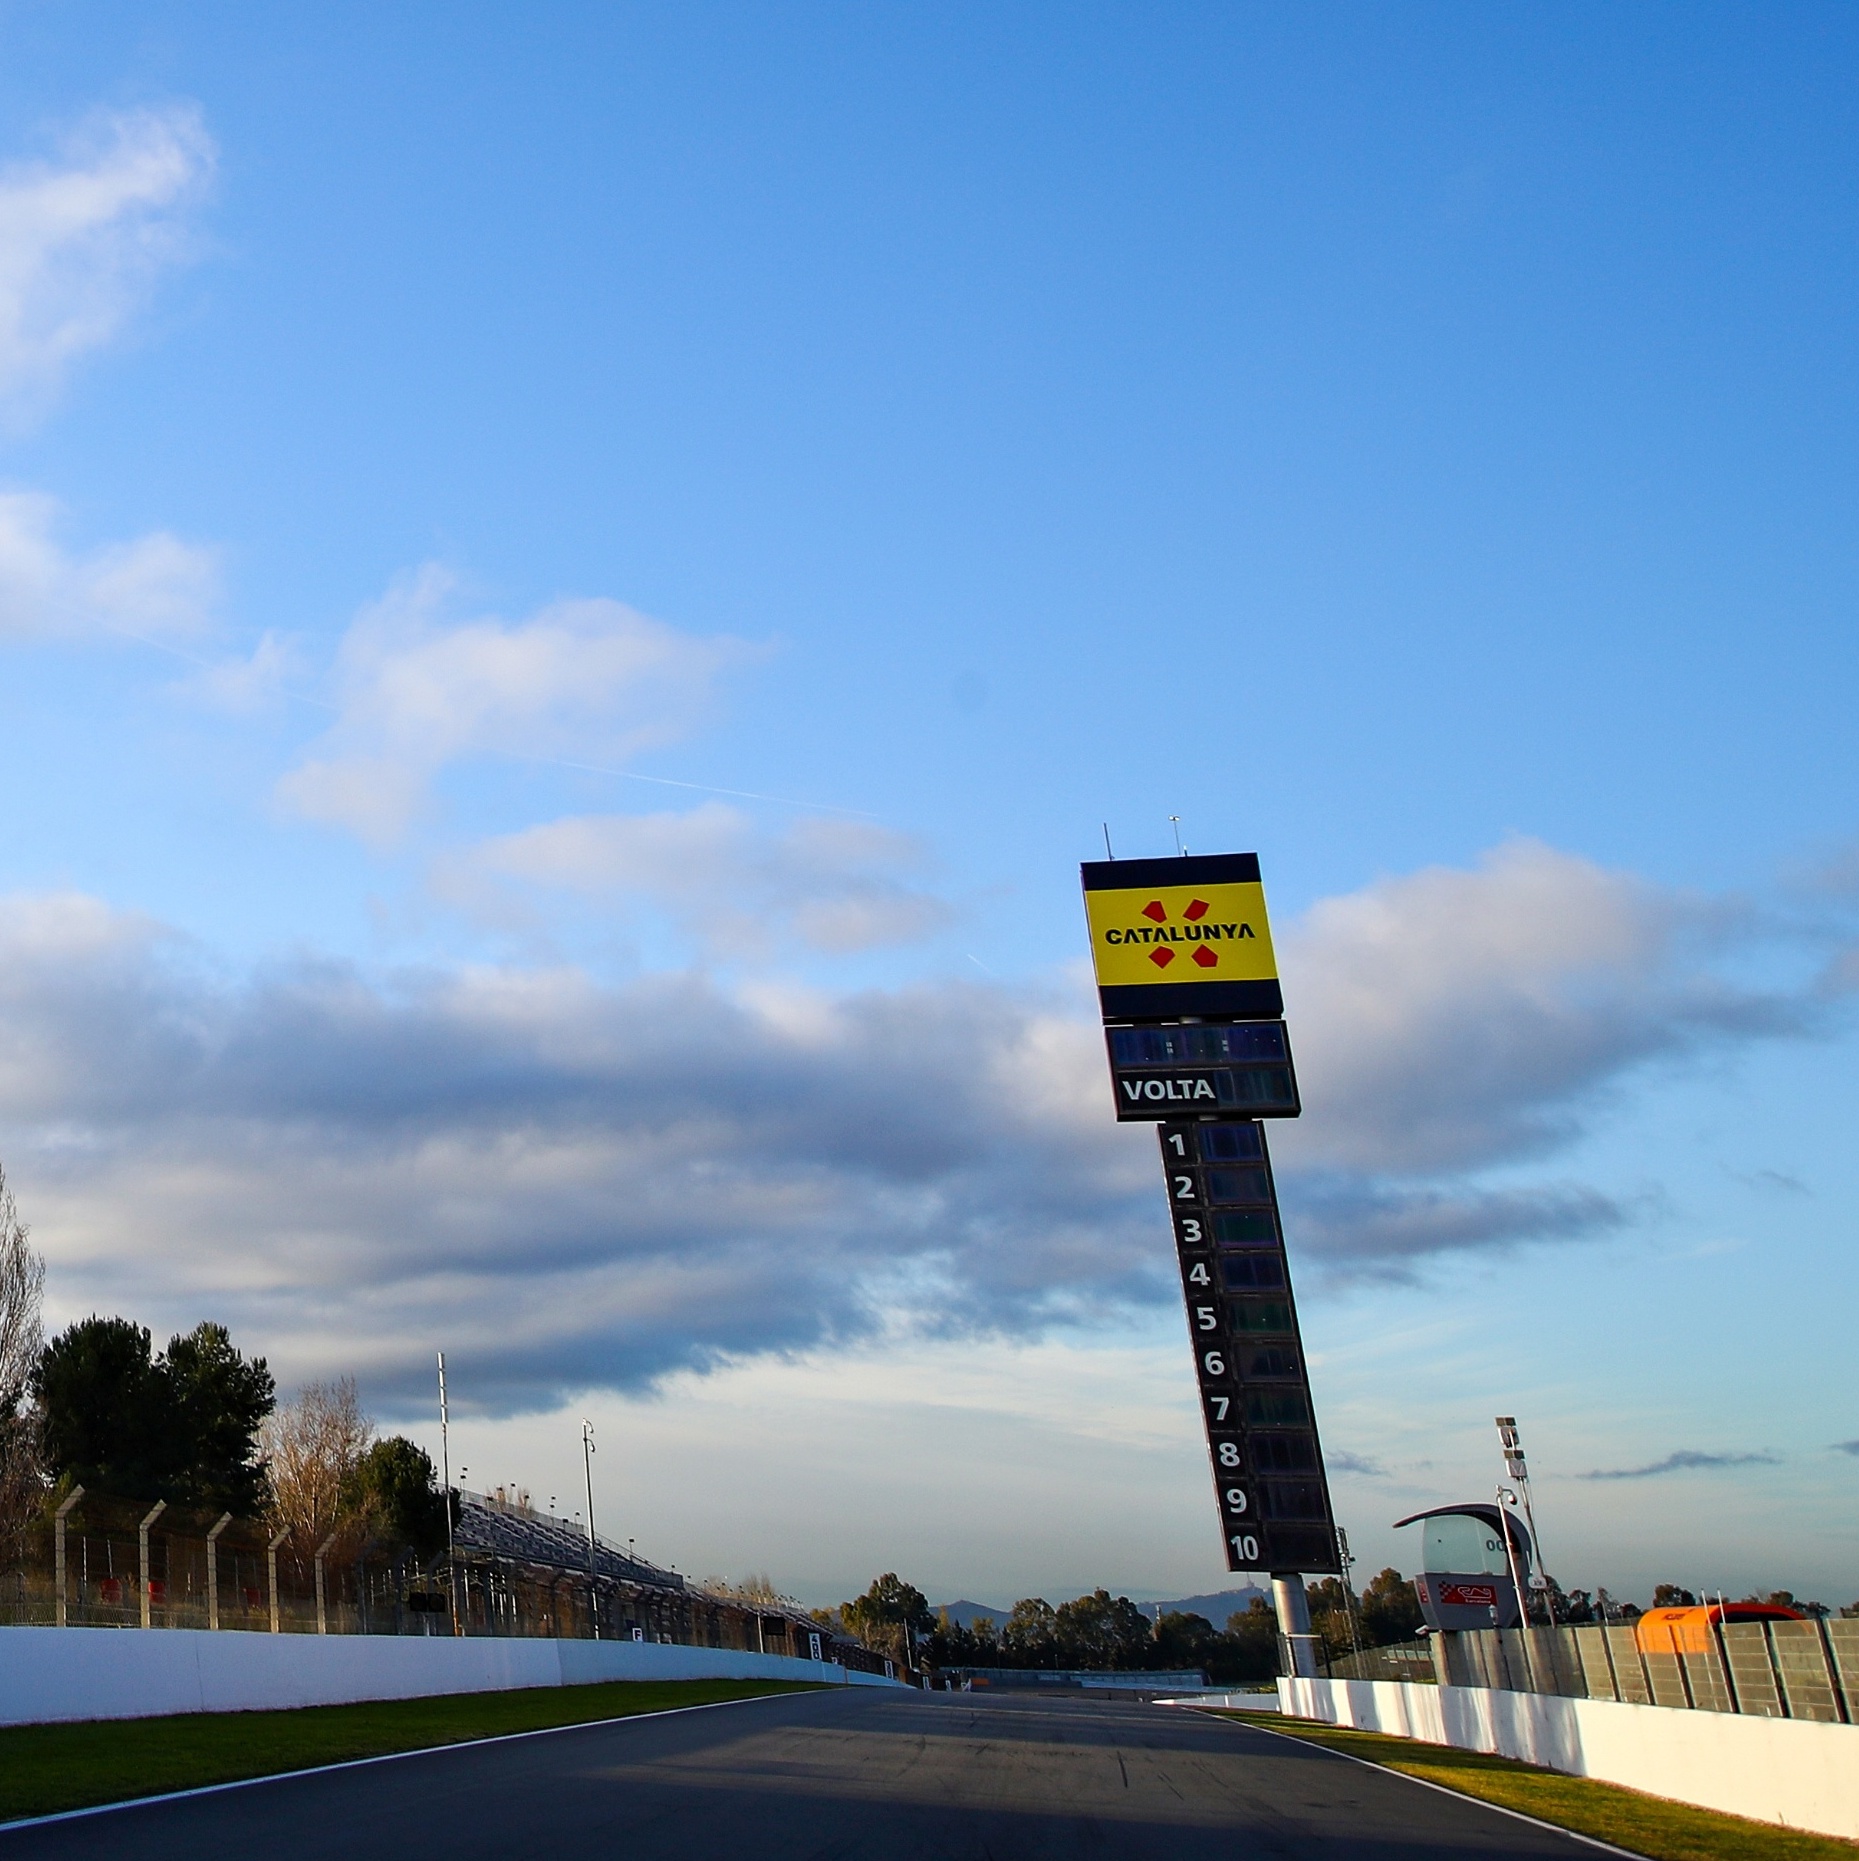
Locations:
{"points": [[1793, 1771], [99, 1673]]}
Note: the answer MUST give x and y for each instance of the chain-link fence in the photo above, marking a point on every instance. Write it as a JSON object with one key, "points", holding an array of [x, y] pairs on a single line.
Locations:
{"points": [[1401, 1660]]}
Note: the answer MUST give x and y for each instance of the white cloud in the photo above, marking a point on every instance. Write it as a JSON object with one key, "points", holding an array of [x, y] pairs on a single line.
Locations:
{"points": [[1450, 1019], [578, 680], [249, 684], [833, 885], [155, 585], [582, 1185], [585, 1184], [84, 235]]}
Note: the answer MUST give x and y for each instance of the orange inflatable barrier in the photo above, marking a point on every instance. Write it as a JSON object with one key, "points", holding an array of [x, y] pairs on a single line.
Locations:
{"points": [[1688, 1631]]}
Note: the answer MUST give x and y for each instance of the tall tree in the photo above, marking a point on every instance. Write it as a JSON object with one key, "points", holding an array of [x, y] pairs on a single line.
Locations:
{"points": [[311, 1447], [1390, 1609], [1100, 1630], [1249, 1651], [22, 1338], [394, 1489], [1030, 1635], [1184, 1640], [182, 1426], [220, 1402], [106, 1410], [889, 1614]]}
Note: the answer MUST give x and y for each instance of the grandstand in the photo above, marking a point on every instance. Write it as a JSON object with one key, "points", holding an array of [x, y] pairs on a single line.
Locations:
{"points": [[519, 1571]]}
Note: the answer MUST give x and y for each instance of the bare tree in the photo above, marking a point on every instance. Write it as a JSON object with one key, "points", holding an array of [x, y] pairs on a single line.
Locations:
{"points": [[22, 1340], [312, 1446]]}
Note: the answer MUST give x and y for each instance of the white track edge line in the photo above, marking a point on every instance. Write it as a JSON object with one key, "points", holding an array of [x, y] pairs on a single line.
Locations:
{"points": [[383, 1757], [1463, 1796]]}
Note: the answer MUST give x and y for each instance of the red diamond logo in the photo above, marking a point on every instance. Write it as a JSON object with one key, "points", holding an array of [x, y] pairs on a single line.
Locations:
{"points": [[1196, 911], [1163, 957], [1206, 958], [1154, 911]]}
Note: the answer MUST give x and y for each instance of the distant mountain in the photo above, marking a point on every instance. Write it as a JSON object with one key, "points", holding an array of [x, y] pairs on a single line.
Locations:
{"points": [[963, 1614], [1215, 1608]]}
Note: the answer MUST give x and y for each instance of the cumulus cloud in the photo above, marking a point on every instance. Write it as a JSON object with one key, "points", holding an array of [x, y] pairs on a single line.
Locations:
{"points": [[561, 1183], [1686, 1460], [734, 888], [1452, 1024], [1340, 1460], [154, 586], [1369, 1226], [568, 1182], [85, 233], [414, 692], [1452, 1018]]}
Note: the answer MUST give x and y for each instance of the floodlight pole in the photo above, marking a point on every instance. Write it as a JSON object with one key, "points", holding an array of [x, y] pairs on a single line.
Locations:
{"points": [[593, 1563], [1517, 1469], [1516, 1584], [445, 1462], [1346, 1558]]}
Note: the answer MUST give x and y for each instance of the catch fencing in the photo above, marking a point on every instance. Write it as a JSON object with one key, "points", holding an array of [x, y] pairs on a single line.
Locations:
{"points": [[1774, 1669], [99, 1561]]}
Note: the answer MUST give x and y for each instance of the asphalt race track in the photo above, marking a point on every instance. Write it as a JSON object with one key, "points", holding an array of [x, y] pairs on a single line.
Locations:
{"points": [[850, 1773]]}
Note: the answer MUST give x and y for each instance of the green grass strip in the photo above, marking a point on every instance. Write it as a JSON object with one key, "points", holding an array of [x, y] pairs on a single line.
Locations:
{"points": [[1652, 1826], [47, 1768]]}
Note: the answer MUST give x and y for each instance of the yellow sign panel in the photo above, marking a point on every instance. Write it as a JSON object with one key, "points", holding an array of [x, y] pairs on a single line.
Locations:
{"points": [[1180, 933]]}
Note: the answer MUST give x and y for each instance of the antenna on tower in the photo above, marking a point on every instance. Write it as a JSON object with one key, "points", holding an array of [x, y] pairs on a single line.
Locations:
{"points": [[1107, 852], [1175, 821]]}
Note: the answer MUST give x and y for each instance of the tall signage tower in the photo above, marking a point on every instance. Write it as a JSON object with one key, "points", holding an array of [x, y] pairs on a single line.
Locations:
{"points": [[1194, 1022]]}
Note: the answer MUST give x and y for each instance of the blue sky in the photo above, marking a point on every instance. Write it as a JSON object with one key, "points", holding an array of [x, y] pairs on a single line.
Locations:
{"points": [[574, 584]]}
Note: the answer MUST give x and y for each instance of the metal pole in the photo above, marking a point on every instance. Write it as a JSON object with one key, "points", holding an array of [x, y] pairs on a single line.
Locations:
{"points": [[1516, 1583], [58, 1547], [1517, 1468], [1293, 1608], [1347, 1559], [593, 1566], [160, 1506], [445, 1461], [322, 1616], [213, 1569], [1723, 1655], [271, 1558]]}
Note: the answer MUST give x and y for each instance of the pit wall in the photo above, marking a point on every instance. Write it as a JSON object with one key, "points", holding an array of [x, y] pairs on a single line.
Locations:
{"points": [[1796, 1772], [51, 1674]]}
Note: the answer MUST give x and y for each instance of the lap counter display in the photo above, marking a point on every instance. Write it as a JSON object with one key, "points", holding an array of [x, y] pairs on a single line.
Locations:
{"points": [[1195, 1034]]}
